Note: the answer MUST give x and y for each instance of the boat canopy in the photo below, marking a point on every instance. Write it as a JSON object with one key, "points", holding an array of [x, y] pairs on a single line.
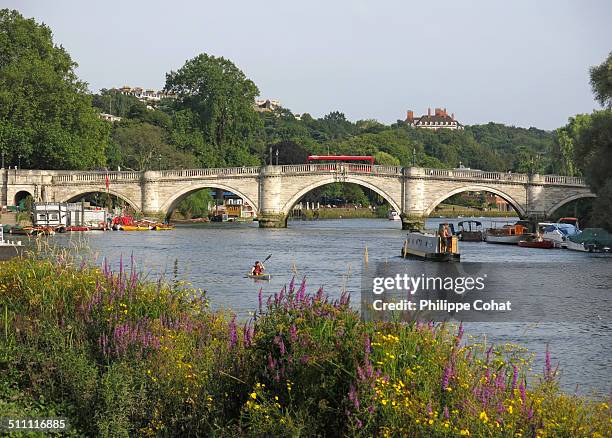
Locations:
{"points": [[477, 223], [565, 229], [594, 236]]}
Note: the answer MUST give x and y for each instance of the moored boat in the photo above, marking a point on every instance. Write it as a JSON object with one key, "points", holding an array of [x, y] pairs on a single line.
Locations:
{"points": [[163, 227], [508, 234], [544, 244], [9, 249], [394, 216], [429, 246], [596, 240], [77, 228], [470, 231], [135, 228], [558, 232]]}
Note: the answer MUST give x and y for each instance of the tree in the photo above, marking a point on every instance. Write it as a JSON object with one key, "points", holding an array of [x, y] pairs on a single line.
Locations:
{"points": [[593, 147], [289, 152], [601, 82], [220, 98], [46, 116], [142, 146]]}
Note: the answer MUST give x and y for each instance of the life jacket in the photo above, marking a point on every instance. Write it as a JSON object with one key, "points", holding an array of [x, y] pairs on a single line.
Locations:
{"points": [[257, 270]]}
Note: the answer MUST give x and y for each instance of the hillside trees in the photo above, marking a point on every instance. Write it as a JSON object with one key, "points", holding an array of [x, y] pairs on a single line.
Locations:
{"points": [[46, 114]]}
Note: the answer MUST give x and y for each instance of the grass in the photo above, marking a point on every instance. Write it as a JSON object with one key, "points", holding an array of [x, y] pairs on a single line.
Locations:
{"points": [[122, 357]]}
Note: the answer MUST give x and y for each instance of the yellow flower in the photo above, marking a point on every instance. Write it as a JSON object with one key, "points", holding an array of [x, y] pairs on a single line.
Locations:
{"points": [[253, 395], [483, 416], [464, 432], [510, 409]]}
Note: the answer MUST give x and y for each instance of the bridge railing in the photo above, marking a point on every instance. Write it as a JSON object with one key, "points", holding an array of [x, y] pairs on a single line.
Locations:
{"points": [[476, 174], [461, 174], [95, 177], [190, 173], [564, 180], [341, 167]]}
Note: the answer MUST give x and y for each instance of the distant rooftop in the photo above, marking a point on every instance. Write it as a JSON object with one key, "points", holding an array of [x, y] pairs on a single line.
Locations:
{"points": [[440, 119]]}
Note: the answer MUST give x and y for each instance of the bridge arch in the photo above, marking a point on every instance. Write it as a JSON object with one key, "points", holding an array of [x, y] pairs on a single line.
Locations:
{"points": [[477, 188], [329, 180], [75, 196], [21, 195], [172, 202], [568, 200]]}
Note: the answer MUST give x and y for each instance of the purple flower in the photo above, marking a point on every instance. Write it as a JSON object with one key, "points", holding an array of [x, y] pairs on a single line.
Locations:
{"points": [[260, 300], [353, 396], [445, 412], [514, 377], [446, 377], [293, 333], [367, 345]]}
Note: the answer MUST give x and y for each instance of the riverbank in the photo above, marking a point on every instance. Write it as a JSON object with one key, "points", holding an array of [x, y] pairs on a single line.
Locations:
{"points": [[120, 356], [340, 213]]}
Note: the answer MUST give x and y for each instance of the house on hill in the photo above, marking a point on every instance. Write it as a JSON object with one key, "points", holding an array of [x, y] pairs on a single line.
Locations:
{"points": [[439, 120]]}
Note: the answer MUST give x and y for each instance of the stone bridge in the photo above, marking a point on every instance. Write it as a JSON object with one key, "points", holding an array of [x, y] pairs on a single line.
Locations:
{"points": [[274, 190]]}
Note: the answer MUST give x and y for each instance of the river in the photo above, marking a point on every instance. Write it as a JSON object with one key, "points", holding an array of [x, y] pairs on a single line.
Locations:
{"points": [[215, 257]]}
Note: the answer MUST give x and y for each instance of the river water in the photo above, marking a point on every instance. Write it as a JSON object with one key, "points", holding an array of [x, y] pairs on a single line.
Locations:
{"points": [[215, 257]]}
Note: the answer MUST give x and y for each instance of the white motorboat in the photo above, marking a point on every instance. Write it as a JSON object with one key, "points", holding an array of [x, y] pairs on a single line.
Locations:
{"points": [[558, 233], [394, 216]]}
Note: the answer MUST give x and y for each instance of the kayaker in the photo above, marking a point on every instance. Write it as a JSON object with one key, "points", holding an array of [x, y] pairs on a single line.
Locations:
{"points": [[258, 268]]}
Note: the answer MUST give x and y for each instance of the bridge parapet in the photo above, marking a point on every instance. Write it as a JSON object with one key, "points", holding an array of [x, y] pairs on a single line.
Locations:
{"points": [[62, 177], [564, 180], [469, 174], [190, 173], [295, 169]]}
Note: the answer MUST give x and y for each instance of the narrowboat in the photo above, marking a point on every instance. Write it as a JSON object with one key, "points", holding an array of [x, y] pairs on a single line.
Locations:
{"points": [[429, 246], [9, 249]]}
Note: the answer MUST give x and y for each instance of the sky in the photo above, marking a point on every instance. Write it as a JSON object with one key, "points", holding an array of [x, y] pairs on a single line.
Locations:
{"points": [[521, 62]]}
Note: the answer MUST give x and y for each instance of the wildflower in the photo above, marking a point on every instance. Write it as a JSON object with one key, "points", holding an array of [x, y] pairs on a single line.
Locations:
{"points": [[464, 432], [253, 395], [483, 417]]}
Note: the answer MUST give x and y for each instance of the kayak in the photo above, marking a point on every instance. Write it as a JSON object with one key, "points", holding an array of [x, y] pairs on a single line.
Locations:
{"points": [[260, 276], [134, 228], [163, 227], [77, 228], [545, 244]]}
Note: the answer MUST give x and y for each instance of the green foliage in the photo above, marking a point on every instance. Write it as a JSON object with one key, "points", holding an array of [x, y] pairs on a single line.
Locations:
{"points": [[601, 82], [196, 204], [219, 99], [121, 357], [142, 146], [593, 155], [46, 117]]}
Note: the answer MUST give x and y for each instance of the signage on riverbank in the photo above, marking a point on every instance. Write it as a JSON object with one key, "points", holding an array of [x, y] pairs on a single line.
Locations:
{"points": [[485, 292]]}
